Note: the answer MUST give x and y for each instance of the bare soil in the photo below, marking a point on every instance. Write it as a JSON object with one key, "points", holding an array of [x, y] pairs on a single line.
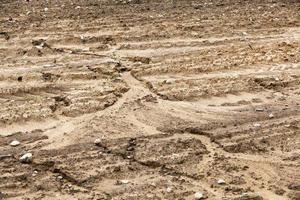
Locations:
{"points": [[181, 95]]}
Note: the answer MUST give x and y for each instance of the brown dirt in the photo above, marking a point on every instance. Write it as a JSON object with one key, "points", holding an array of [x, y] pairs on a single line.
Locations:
{"points": [[181, 96]]}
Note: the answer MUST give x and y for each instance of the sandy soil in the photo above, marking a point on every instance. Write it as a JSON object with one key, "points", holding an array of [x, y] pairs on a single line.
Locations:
{"points": [[180, 96]]}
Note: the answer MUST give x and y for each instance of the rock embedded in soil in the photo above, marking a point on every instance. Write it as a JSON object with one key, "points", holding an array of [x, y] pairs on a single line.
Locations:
{"points": [[15, 143], [259, 109], [122, 182], [34, 173], [221, 182], [168, 81], [199, 195], [244, 196], [257, 125], [26, 158], [294, 186], [97, 142], [169, 189]]}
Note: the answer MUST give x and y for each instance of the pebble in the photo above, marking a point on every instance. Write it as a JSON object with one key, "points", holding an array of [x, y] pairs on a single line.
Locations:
{"points": [[46, 9], [168, 81], [26, 158], [259, 109], [245, 196], [97, 142], [153, 184], [257, 125], [221, 181], [169, 189], [150, 196], [34, 173], [294, 186], [124, 181], [49, 65], [271, 116], [199, 195], [14, 143]]}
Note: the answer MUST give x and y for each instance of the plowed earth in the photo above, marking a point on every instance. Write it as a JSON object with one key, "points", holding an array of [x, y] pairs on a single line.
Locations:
{"points": [[181, 97]]}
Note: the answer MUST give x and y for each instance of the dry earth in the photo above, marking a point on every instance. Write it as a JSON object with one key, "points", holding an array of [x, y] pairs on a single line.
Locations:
{"points": [[181, 96]]}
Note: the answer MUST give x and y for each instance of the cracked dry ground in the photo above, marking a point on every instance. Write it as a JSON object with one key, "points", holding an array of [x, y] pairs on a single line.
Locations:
{"points": [[180, 97]]}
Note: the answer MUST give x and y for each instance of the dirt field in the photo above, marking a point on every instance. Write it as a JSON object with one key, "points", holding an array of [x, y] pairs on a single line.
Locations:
{"points": [[193, 100]]}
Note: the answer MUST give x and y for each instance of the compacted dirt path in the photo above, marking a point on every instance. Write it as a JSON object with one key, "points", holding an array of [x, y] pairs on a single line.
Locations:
{"points": [[150, 100]]}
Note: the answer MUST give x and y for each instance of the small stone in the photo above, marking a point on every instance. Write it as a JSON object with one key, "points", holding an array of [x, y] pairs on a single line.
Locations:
{"points": [[194, 34], [294, 186], [259, 109], [271, 116], [150, 196], [14, 143], [60, 177], [168, 81], [221, 181], [46, 9], [153, 184], [199, 195], [34, 173], [197, 6], [244, 196], [169, 189], [124, 182], [26, 158], [257, 125], [97, 142], [49, 65]]}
